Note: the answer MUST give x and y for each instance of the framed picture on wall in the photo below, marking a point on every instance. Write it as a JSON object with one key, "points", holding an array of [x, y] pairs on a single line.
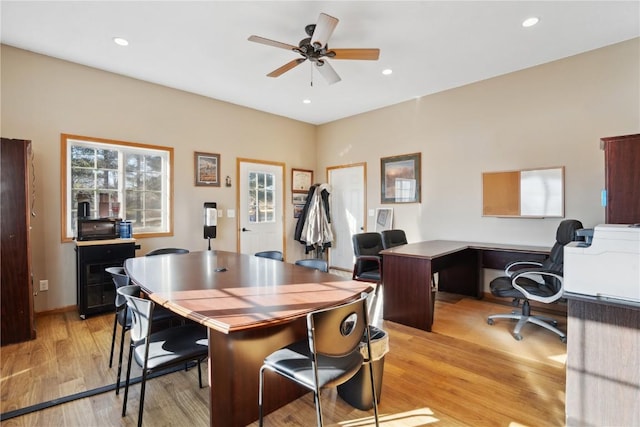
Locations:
{"points": [[384, 219], [299, 198], [301, 180], [400, 179], [207, 169]]}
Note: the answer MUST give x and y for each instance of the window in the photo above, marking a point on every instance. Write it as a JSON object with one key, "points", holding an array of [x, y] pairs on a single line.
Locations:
{"points": [[261, 197], [119, 179]]}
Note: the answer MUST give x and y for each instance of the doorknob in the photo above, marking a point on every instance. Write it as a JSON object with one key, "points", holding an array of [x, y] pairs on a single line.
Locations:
{"points": [[245, 229]]}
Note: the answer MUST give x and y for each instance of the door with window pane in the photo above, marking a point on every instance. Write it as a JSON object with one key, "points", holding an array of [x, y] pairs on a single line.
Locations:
{"points": [[261, 206]]}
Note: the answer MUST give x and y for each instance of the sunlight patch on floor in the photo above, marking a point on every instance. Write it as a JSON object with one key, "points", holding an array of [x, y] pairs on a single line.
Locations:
{"points": [[560, 358], [413, 418]]}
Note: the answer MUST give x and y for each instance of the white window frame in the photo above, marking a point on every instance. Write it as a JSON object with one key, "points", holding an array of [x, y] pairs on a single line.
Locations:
{"points": [[68, 206]]}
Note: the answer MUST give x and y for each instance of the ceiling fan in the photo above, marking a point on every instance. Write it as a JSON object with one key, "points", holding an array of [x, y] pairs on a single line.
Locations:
{"points": [[315, 49]]}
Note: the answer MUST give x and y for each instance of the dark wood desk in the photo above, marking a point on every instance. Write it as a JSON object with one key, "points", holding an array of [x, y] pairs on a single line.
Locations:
{"points": [[253, 308], [407, 272]]}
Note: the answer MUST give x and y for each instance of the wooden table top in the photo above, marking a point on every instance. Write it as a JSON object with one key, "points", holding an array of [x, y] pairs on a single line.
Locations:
{"points": [[231, 292]]}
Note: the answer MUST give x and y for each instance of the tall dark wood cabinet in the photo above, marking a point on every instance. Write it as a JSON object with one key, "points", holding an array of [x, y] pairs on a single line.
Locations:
{"points": [[16, 287], [622, 178]]}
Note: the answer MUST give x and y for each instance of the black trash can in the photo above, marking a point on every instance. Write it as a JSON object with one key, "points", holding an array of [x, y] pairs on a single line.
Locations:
{"points": [[357, 391]]}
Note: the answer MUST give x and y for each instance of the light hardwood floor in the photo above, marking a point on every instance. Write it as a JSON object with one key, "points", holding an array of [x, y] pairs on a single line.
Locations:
{"points": [[465, 373]]}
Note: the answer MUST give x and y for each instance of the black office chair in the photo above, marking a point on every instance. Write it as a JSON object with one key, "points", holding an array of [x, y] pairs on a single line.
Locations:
{"points": [[277, 255], [329, 357], [159, 350], [392, 238], [316, 263], [123, 317], [368, 262], [165, 251], [542, 282]]}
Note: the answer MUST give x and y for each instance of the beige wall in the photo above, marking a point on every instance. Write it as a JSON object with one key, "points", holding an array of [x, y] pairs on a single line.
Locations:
{"points": [[43, 97], [550, 115]]}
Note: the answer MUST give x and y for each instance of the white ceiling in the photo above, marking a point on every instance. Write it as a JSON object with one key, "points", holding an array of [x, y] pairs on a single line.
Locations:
{"points": [[202, 46]]}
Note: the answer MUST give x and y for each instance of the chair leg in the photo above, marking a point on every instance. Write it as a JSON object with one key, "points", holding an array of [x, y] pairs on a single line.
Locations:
{"points": [[120, 360], [316, 398], [113, 339], [260, 390], [143, 385], [126, 383], [199, 373], [373, 393]]}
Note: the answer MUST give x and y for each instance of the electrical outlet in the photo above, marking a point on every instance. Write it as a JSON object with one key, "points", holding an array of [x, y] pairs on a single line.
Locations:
{"points": [[44, 285]]}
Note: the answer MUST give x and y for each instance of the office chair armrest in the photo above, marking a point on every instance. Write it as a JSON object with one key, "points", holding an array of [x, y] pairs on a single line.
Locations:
{"points": [[509, 269], [533, 273]]}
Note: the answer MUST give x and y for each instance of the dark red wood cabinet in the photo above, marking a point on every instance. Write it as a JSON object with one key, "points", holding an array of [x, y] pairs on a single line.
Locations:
{"points": [[16, 287], [622, 178]]}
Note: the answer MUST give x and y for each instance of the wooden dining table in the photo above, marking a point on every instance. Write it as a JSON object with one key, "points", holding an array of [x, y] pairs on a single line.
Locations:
{"points": [[251, 306]]}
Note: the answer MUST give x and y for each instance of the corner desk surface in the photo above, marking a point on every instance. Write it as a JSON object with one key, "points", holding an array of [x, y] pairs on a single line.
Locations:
{"points": [[252, 306], [408, 271]]}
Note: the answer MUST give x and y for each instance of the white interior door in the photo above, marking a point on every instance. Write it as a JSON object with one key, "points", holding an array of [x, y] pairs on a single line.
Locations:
{"points": [[261, 203], [347, 201]]}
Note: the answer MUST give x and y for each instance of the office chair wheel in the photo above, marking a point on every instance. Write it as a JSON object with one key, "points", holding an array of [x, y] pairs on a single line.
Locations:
{"points": [[490, 321], [518, 337], [563, 339], [554, 323]]}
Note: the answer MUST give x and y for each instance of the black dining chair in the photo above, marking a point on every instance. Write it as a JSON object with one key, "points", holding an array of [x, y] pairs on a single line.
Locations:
{"points": [[155, 351], [330, 356], [123, 317], [315, 263], [277, 255], [165, 251]]}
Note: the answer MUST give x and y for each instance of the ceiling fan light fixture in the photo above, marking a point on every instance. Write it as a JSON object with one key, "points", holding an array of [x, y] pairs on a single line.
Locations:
{"points": [[530, 22]]}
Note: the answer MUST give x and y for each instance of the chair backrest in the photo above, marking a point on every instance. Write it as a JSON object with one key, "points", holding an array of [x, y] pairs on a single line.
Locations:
{"points": [[391, 238], [338, 331], [318, 264], [164, 251], [566, 233], [367, 243], [277, 255], [141, 312], [120, 279]]}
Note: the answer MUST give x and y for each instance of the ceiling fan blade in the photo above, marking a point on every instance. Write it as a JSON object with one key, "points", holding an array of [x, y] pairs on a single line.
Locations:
{"points": [[328, 72], [324, 28], [273, 43], [286, 67], [367, 54]]}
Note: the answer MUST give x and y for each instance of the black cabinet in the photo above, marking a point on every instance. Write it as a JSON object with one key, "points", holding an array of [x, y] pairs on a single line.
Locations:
{"points": [[96, 292]]}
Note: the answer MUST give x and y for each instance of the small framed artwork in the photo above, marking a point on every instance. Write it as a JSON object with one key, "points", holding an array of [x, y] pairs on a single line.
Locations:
{"points": [[384, 219], [297, 210], [301, 180], [207, 169], [400, 179], [299, 198]]}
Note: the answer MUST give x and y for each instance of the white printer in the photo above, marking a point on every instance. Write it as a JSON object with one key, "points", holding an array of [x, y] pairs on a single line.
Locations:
{"points": [[609, 267]]}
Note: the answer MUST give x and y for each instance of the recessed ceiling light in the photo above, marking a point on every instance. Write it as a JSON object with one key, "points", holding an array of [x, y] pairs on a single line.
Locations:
{"points": [[306, 101], [120, 41], [387, 72], [530, 22]]}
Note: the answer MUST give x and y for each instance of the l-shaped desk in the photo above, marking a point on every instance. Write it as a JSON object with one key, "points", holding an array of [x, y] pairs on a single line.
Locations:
{"points": [[407, 272]]}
